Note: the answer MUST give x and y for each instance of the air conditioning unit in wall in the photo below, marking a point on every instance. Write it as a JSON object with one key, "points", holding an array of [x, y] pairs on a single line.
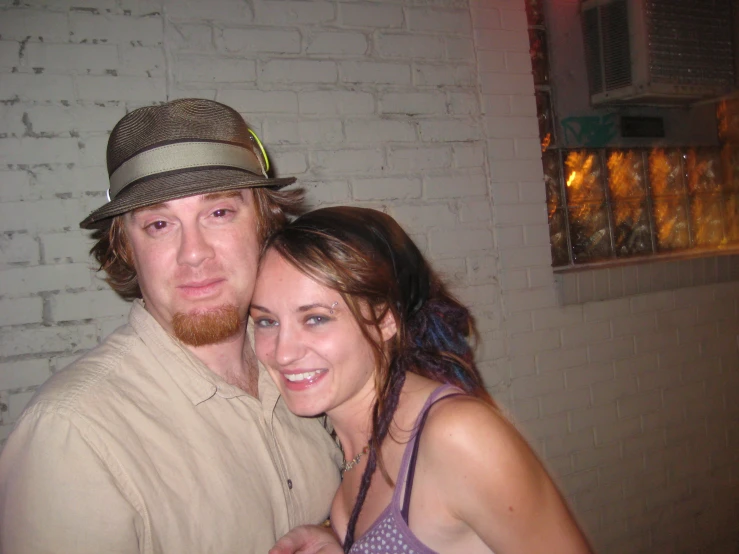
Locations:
{"points": [[658, 52]]}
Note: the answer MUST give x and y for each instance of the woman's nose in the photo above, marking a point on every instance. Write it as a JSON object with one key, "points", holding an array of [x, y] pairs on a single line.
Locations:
{"points": [[288, 347]]}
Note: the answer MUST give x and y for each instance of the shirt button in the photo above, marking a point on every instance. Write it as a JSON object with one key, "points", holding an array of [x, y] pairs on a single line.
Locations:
{"points": [[290, 484]]}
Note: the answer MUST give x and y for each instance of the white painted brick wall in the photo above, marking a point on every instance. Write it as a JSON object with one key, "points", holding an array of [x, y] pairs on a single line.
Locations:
{"points": [[230, 11], [375, 73], [461, 184], [387, 188], [138, 90], [442, 75], [24, 374], [425, 110], [337, 44], [292, 13], [19, 311], [18, 248], [371, 15], [403, 158]]}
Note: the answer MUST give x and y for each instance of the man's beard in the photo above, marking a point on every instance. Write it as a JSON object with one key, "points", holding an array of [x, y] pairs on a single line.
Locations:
{"points": [[208, 327]]}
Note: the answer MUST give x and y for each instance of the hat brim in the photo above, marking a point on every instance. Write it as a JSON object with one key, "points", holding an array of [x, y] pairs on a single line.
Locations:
{"points": [[163, 188]]}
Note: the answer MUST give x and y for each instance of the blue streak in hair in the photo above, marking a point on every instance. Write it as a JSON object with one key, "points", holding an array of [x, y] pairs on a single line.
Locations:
{"points": [[444, 338]]}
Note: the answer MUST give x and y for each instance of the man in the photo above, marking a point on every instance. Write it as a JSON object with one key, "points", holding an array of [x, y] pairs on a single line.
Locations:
{"points": [[168, 437]]}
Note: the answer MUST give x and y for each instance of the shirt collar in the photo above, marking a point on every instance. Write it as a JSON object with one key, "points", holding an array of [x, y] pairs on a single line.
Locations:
{"points": [[196, 381]]}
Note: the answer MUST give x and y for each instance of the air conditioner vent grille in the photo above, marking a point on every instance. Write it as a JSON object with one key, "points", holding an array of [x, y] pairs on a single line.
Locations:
{"points": [[690, 42], [593, 50], [616, 55], [606, 35]]}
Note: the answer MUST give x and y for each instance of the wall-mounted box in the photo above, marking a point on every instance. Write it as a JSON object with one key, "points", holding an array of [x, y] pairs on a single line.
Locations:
{"points": [[658, 52]]}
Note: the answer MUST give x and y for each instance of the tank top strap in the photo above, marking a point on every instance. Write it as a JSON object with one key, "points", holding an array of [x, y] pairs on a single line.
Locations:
{"points": [[407, 471]]}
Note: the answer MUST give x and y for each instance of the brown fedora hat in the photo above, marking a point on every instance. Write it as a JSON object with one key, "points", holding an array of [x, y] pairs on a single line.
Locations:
{"points": [[181, 148]]}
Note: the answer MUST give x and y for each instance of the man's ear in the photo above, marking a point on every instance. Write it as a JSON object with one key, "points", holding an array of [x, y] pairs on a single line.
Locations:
{"points": [[388, 326]]}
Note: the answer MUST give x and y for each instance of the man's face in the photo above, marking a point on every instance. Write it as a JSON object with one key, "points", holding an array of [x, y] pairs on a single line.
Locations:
{"points": [[196, 260]]}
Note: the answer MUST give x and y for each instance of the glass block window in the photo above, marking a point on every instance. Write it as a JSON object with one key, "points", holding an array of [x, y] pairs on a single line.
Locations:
{"points": [[539, 52], [611, 205], [624, 203]]}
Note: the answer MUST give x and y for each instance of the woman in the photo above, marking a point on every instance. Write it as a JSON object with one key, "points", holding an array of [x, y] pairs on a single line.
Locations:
{"points": [[351, 322]]}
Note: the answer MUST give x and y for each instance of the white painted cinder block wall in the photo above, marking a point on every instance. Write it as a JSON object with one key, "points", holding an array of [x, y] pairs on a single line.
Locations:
{"points": [[424, 109]]}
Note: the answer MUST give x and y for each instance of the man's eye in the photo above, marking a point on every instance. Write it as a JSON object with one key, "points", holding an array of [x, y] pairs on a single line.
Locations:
{"points": [[157, 225], [221, 213]]}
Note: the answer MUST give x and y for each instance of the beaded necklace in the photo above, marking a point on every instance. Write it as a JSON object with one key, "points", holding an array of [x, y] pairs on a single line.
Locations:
{"points": [[346, 466]]}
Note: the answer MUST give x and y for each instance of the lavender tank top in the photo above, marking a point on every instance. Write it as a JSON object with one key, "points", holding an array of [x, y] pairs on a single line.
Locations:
{"points": [[390, 532]]}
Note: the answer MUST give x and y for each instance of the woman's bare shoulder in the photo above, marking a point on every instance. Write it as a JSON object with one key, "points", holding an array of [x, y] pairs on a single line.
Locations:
{"points": [[469, 422], [490, 478]]}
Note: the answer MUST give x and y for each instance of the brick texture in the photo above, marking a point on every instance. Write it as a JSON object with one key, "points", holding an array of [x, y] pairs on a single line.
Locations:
{"points": [[623, 379]]}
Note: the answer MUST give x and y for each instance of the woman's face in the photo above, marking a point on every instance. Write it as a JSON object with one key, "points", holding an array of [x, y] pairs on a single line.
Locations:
{"points": [[309, 341]]}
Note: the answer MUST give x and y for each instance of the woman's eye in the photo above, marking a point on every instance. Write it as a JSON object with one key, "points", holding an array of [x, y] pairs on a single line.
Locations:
{"points": [[316, 319], [265, 322], [223, 212]]}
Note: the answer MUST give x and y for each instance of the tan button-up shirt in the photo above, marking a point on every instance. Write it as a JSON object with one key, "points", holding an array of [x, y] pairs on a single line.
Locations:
{"points": [[138, 447]]}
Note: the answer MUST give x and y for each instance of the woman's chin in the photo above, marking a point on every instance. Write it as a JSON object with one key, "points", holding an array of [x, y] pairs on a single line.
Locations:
{"points": [[303, 410]]}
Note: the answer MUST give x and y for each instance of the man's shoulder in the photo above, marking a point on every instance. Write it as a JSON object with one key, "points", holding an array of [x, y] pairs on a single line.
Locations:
{"points": [[94, 375]]}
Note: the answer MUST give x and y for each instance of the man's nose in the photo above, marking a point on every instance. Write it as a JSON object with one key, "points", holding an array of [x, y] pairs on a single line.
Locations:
{"points": [[194, 246]]}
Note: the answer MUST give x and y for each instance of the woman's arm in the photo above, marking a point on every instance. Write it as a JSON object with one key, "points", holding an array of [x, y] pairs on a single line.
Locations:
{"points": [[490, 479]]}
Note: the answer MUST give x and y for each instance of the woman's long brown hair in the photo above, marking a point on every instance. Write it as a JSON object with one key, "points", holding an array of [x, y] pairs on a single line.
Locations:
{"points": [[367, 257]]}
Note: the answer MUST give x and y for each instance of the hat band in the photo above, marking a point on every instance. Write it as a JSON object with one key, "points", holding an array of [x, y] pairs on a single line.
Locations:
{"points": [[183, 155]]}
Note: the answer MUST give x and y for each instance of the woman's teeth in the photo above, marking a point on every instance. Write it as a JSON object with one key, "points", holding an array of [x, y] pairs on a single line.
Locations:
{"points": [[297, 377]]}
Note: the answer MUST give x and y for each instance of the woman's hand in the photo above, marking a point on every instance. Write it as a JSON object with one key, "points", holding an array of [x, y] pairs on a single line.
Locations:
{"points": [[308, 539]]}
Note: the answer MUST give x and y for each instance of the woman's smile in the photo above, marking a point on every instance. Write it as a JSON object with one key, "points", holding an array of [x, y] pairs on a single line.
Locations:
{"points": [[303, 380]]}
